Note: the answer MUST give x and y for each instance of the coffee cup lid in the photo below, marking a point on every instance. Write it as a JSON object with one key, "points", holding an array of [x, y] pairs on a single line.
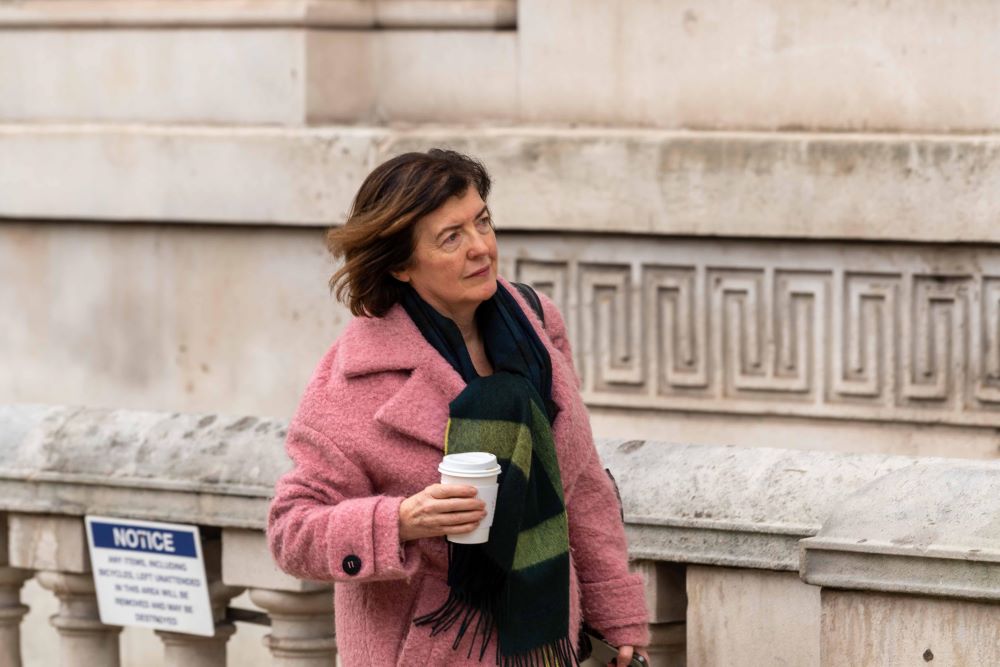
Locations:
{"points": [[471, 464]]}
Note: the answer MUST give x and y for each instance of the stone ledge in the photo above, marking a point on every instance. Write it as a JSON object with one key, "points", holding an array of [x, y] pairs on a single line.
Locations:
{"points": [[942, 537], [730, 506], [157, 452], [758, 185], [914, 575], [340, 14], [710, 505]]}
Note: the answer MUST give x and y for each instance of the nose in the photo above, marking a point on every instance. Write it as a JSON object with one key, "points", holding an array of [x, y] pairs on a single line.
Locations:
{"points": [[478, 245]]}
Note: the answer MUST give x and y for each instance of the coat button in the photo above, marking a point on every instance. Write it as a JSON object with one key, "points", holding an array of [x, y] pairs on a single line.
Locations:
{"points": [[351, 565]]}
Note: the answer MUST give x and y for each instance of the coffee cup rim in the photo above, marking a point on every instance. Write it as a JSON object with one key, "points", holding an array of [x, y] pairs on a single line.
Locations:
{"points": [[494, 469]]}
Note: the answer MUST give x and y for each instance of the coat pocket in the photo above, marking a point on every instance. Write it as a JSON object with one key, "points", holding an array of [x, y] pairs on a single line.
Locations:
{"points": [[419, 649]]}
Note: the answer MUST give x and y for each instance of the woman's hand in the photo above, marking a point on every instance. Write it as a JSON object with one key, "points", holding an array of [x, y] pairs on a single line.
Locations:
{"points": [[625, 656], [440, 509]]}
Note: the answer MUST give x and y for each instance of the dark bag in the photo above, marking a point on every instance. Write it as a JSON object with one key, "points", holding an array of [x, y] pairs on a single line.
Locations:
{"points": [[531, 296]]}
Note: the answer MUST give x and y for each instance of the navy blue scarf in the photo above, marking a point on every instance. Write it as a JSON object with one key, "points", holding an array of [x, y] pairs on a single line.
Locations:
{"points": [[517, 583]]}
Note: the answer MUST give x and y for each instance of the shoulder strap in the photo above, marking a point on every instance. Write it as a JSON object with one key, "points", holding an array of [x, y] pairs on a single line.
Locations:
{"points": [[529, 294]]}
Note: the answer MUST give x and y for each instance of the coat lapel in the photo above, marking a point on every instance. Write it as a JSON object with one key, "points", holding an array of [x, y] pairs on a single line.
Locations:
{"points": [[419, 408]]}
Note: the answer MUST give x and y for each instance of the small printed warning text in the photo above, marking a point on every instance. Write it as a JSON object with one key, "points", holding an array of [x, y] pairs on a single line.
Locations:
{"points": [[150, 575]]}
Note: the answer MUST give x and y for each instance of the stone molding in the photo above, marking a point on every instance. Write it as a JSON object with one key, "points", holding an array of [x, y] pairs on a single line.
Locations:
{"points": [[905, 334], [142, 465], [731, 506], [683, 503], [337, 14], [723, 506], [942, 537], [787, 185]]}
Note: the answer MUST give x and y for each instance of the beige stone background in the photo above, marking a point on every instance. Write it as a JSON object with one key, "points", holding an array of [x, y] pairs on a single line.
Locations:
{"points": [[768, 223]]}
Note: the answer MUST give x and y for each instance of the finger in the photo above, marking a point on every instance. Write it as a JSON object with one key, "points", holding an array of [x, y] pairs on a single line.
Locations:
{"points": [[624, 656], [451, 490], [458, 518], [459, 529], [455, 505]]}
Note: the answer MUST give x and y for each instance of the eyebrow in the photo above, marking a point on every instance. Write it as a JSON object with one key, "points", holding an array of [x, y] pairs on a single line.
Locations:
{"points": [[456, 225]]}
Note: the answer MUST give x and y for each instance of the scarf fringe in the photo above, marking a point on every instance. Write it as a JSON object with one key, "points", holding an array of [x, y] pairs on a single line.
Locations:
{"points": [[557, 654], [457, 610]]}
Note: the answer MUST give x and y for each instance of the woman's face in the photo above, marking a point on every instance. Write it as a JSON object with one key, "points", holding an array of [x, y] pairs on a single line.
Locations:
{"points": [[454, 262]]}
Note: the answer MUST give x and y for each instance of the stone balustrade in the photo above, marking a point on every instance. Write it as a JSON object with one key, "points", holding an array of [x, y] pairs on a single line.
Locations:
{"points": [[751, 556], [61, 464]]}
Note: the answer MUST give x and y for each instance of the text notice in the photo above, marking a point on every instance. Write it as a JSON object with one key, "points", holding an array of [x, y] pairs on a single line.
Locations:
{"points": [[150, 575]]}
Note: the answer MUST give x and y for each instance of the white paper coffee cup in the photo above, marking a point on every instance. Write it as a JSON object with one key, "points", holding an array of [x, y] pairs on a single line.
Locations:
{"points": [[478, 469]]}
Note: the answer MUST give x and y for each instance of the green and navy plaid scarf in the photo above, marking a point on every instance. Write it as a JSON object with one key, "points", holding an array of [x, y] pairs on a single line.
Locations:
{"points": [[518, 582]]}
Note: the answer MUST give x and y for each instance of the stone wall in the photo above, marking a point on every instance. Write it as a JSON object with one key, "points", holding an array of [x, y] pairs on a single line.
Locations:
{"points": [[826, 345], [768, 223], [772, 65], [750, 214]]}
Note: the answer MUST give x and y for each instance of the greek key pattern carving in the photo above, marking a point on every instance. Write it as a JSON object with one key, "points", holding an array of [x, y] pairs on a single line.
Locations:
{"points": [[816, 330]]}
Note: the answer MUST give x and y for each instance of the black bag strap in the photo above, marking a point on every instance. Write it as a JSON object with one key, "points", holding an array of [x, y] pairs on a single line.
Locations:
{"points": [[531, 296]]}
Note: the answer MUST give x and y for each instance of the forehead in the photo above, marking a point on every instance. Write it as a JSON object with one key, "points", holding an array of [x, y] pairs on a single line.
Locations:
{"points": [[455, 211]]}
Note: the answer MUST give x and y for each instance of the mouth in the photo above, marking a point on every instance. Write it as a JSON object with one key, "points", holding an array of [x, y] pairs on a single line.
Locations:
{"points": [[480, 273]]}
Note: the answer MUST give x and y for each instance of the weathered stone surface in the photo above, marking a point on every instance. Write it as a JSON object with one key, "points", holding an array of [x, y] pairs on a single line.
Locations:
{"points": [[705, 506], [712, 505], [720, 65], [447, 77], [164, 318], [223, 14], [152, 75], [181, 173], [830, 357], [342, 83], [190, 468], [47, 542], [683, 504], [745, 617], [779, 328], [862, 628], [731, 506], [937, 535], [247, 562], [814, 434], [763, 65], [630, 181]]}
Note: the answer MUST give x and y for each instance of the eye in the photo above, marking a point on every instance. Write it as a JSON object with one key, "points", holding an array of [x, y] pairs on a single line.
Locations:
{"points": [[484, 225], [451, 241]]}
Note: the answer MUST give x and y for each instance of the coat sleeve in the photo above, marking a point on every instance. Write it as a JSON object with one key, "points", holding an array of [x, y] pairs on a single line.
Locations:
{"points": [[324, 522], [613, 600]]}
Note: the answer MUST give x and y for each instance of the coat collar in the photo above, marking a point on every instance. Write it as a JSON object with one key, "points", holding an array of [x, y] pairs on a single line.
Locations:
{"points": [[419, 409]]}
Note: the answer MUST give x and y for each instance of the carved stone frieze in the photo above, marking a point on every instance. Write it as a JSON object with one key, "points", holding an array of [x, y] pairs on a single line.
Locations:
{"points": [[856, 331]]}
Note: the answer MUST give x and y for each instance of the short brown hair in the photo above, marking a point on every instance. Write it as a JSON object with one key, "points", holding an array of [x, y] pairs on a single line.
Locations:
{"points": [[377, 237]]}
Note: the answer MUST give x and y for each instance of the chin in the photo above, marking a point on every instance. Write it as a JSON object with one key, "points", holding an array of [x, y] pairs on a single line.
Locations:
{"points": [[487, 290]]}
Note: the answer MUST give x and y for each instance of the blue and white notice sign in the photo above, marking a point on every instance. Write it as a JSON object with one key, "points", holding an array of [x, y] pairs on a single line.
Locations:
{"points": [[150, 575]]}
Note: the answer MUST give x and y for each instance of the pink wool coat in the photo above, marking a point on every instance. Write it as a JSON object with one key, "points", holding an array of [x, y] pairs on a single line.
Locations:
{"points": [[368, 433]]}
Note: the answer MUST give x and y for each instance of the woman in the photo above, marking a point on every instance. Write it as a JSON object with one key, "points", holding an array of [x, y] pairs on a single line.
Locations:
{"points": [[443, 355]]}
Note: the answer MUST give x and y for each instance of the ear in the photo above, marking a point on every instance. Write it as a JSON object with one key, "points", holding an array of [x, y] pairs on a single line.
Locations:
{"points": [[402, 276]]}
